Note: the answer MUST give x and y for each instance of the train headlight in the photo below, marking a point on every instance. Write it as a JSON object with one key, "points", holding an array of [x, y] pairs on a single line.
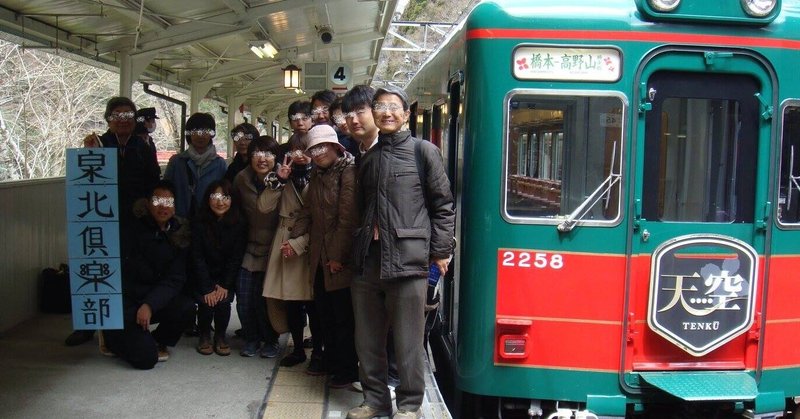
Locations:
{"points": [[758, 8], [664, 5]]}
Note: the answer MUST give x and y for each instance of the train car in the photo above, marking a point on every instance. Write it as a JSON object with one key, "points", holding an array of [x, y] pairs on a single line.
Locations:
{"points": [[626, 176]]}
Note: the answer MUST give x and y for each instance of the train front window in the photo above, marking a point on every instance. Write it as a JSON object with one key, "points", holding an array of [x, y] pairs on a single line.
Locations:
{"points": [[563, 155]]}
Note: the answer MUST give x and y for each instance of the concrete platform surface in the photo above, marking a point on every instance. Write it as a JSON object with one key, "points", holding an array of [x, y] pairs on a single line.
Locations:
{"points": [[40, 377]]}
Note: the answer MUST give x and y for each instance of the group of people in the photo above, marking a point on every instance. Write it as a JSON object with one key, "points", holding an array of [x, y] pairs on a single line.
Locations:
{"points": [[339, 226]]}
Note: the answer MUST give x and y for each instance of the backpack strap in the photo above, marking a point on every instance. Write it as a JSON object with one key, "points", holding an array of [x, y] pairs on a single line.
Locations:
{"points": [[421, 168]]}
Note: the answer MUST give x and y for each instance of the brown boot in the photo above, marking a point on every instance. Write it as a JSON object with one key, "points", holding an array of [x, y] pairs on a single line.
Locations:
{"points": [[221, 346], [204, 346]]}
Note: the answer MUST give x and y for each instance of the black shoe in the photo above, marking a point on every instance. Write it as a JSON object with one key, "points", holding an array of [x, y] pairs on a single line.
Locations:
{"points": [[78, 337], [238, 333], [308, 343], [341, 382], [293, 359], [316, 366], [192, 331]]}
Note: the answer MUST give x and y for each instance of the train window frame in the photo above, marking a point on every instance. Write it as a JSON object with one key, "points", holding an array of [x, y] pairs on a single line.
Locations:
{"points": [[551, 94], [788, 103]]}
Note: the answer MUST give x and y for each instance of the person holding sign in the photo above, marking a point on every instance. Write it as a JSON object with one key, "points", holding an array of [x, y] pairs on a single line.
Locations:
{"points": [[153, 275]]}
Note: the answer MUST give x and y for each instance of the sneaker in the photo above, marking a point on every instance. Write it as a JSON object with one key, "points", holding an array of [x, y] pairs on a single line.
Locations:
{"points": [[250, 349], [316, 366], [204, 345], [270, 350], [163, 353], [407, 414], [340, 382], [293, 359], [221, 346], [79, 337], [366, 411]]}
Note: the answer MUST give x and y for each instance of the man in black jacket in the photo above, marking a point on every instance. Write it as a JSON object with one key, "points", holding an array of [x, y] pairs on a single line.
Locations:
{"points": [[154, 272], [408, 222]]}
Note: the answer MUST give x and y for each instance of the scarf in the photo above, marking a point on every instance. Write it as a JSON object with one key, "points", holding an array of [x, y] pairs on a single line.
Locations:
{"points": [[201, 160]]}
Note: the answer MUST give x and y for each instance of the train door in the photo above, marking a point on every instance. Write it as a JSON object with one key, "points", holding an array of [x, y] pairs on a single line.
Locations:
{"points": [[700, 205]]}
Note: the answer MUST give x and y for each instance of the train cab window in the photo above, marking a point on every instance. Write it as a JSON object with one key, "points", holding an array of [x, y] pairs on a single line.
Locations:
{"points": [[563, 156], [789, 198], [701, 136]]}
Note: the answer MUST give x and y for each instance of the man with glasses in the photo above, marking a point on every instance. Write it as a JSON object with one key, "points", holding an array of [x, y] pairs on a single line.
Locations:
{"points": [[137, 172], [408, 222]]}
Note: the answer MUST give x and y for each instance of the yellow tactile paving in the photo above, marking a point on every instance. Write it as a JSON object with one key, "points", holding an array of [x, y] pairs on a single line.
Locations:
{"points": [[282, 410]]}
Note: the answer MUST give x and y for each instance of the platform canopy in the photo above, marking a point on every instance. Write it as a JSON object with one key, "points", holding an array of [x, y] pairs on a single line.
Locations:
{"points": [[204, 46]]}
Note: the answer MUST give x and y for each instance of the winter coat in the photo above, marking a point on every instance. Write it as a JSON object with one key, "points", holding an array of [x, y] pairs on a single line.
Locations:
{"points": [[287, 278], [330, 217], [217, 254], [154, 271], [189, 191], [260, 226], [237, 165], [137, 171], [416, 222]]}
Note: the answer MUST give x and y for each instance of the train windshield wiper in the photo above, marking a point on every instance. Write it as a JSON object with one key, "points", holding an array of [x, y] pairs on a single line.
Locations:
{"points": [[602, 192]]}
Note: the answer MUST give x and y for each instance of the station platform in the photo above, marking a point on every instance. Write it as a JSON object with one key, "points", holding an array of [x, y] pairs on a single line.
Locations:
{"points": [[41, 377]]}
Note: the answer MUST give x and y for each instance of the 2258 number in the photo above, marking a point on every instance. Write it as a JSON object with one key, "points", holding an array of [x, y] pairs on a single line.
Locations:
{"points": [[534, 260]]}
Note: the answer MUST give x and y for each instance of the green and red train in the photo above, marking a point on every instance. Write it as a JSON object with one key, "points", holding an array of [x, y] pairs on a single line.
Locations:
{"points": [[626, 175]]}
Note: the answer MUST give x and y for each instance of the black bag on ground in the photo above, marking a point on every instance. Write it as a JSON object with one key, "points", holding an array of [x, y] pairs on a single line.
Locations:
{"points": [[54, 292]]}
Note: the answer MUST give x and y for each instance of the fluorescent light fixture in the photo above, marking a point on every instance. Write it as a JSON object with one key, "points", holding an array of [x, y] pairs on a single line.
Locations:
{"points": [[263, 49]]}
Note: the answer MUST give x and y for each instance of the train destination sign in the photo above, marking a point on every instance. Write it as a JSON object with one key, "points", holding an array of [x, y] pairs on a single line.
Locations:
{"points": [[578, 64], [702, 291]]}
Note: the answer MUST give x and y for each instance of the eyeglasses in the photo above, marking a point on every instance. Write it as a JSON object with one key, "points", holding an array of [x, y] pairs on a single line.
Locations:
{"points": [[295, 154], [238, 135], [263, 155], [359, 113], [386, 107], [298, 116], [319, 110], [121, 116], [200, 132], [218, 196], [160, 201], [318, 150]]}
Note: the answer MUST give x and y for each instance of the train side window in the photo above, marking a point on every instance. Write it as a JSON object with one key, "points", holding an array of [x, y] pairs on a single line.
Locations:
{"points": [[789, 198], [561, 150]]}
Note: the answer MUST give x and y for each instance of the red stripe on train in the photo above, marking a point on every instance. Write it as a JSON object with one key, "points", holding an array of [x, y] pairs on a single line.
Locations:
{"points": [[635, 36]]}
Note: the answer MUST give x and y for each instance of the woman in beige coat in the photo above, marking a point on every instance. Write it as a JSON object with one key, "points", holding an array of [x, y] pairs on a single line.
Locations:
{"points": [[288, 281]]}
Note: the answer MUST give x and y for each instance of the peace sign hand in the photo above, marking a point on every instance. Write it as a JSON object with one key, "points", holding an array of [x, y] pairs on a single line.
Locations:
{"points": [[285, 169]]}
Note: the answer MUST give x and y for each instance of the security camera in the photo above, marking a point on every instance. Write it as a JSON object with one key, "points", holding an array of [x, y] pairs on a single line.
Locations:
{"points": [[325, 34]]}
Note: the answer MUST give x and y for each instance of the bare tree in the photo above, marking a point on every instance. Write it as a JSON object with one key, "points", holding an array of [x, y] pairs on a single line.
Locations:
{"points": [[48, 104]]}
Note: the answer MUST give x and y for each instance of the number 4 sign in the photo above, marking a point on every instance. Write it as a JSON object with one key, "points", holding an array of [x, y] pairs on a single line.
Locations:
{"points": [[340, 75]]}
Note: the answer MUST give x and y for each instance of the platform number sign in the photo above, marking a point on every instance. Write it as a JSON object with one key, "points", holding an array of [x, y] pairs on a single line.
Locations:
{"points": [[93, 238], [340, 76]]}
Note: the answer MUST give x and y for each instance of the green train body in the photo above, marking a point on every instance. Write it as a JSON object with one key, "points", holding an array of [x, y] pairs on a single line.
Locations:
{"points": [[627, 195]]}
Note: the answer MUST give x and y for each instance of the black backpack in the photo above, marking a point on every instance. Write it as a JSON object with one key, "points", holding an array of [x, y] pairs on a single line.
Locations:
{"points": [[54, 292]]}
